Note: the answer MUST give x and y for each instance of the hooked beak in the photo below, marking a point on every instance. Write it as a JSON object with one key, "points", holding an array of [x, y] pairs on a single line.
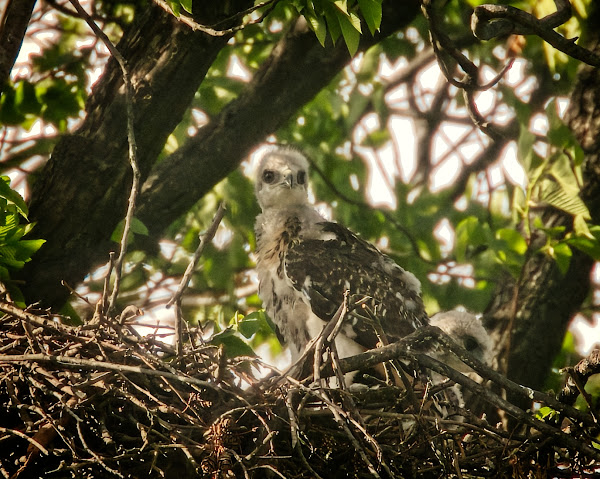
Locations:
{"points": [[288, 180]]}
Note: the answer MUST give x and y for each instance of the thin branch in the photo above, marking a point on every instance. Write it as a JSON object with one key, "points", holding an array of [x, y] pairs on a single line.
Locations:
{"points": [[420, 339], [101, 365], [489, 21], [132, 148], [328, 335], [183, 284], [510, 408], [204, 240], [195, 26], [582, 370], [441, 44]]}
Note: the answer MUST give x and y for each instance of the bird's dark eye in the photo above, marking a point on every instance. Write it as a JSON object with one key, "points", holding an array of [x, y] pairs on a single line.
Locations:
{"points": [[471, 343], [301, 177], [268, 176]]}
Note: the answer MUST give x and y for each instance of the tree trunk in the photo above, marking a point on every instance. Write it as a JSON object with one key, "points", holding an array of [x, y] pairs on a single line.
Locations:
{"points": [[537, 310]]}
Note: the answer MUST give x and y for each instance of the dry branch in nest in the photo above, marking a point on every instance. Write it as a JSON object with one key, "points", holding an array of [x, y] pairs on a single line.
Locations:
{"points": [[103, 402]]}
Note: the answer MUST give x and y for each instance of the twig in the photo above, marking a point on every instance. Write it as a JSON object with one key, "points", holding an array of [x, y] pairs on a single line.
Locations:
{"points": [[32, 441], [583, 369], [204, 240], [239, 460], [441, 43], [584, 394], [418, 341], [183, 284], [340, 418], [494, 376], [97, 458], [328, 335], [132, 148], [270, 468], [103, 303], [267, 438], [32, 318]]}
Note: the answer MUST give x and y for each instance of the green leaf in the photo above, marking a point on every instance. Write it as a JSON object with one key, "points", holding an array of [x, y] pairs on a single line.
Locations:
{"points": [[377, 138], [561, 253], [26, 248], [350, 27], [9, 110], [60, 101], [342, 5], [513, 239], [234, 345], [547, 413], [472, 237], [318, 25], [563, 173], [12, 196], [581, 227], [26, 99], [371, 10], [525, 148], [333, 23], [175, 7], [253, 323], [11, 222], [8, 257], [187, 5], [589, 247], [136, 228], [556, 195]]}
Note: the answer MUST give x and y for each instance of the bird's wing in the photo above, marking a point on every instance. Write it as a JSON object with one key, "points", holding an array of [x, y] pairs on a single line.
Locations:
{"points": [[324, 269]]}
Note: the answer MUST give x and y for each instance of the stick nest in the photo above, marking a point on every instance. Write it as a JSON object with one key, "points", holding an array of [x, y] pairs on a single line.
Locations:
{"points": [[100, 401]]}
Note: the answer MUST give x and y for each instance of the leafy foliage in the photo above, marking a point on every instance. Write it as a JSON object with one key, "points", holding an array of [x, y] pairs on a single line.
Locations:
{"points": [[14, 250]]}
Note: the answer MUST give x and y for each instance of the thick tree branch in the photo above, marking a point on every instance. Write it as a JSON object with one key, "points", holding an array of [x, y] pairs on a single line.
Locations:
{"points": [[13, 25]]}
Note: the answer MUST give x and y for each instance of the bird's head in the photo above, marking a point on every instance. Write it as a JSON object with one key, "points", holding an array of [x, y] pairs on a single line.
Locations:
{"points": [[282, 178], [467, 331]]}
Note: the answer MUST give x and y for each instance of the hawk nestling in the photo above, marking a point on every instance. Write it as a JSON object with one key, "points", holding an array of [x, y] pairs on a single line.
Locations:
{"points": [[305, 264], [466, 331]]}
